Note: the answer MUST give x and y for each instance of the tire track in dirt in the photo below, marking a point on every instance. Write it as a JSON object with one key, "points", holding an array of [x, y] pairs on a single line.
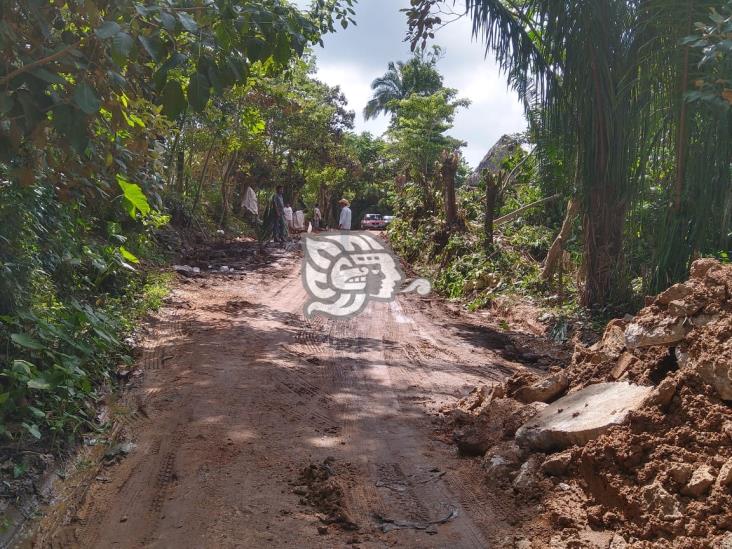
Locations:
{"points": [[488, 511], [252, 393]]}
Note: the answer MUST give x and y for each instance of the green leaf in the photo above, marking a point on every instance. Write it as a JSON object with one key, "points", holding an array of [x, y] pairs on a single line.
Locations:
{"points": [[27, 341], [188, 22], [36, 412], [174, 102], [121, 47], [198, 91], [71, 123], [152, 46], [4, 398], [23, 367], [135, 199], [145, 10], [86, 99], [167, 20], [32, 428], [107, 30], [39, 383], [128, 255], [215, 79]]}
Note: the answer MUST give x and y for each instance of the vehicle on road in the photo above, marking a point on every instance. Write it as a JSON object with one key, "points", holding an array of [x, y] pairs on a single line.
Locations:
{"points": [[388, 219], [373, 222]]}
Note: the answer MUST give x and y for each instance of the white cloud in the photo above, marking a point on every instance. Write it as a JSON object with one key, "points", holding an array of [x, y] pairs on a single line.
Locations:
{"points": [[354, 57]]}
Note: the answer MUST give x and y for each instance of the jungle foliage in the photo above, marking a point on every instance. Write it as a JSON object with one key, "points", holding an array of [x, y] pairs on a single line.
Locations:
{"points": [[97, 99], [630, 110]]}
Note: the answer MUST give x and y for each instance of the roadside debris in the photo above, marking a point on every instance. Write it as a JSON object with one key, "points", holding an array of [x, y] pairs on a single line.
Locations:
{"points": [[639, 425], [582, 416], [187, 270], [388, 524], [321, 487]]}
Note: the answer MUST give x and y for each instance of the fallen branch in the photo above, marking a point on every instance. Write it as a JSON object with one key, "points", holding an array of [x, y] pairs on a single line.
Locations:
{"points": [[555, 251], [37, 63], [510, 216]]}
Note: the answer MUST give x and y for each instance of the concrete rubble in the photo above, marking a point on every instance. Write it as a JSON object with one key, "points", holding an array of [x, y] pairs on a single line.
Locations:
{"points": [[639, 424]]}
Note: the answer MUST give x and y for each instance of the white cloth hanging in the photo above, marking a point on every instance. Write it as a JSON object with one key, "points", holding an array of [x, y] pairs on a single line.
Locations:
{"points": [[250, 201], [299, 221]]}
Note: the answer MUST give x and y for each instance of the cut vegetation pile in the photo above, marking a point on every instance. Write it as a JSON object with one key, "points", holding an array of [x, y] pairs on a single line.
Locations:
{"points": [[631, 443]]}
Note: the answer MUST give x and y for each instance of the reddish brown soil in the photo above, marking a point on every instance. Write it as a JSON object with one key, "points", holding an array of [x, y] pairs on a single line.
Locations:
{"points": [[664, 477], [255, 428]]}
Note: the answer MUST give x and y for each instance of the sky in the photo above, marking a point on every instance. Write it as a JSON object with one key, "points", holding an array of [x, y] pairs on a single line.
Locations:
{"points": [[354, 57]]}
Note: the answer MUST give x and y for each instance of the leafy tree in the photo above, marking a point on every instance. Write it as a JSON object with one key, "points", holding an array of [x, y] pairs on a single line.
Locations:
{"points": [[418, 76], [97, 100], [612, 80], [417, 134]]}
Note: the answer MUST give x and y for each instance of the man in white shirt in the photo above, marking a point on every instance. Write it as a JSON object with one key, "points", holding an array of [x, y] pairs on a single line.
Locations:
{"points": [[344, 223]]}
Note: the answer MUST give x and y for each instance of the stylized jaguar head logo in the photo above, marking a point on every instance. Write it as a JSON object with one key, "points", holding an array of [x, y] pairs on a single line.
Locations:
{"points": [[343, 271]]}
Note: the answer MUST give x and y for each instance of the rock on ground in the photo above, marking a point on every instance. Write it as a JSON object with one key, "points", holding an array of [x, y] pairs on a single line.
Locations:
{"points": [[667, 331], [543, 390], [666, 506], [497, 421], [700, 482], [582, 416], [557, 464]]}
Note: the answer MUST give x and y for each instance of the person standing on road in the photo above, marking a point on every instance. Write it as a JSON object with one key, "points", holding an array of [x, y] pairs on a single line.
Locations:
{"points": [[344, 223], [316, 218], [278, 202]]}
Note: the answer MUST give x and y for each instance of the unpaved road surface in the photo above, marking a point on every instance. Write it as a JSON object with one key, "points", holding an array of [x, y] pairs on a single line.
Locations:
{"points": [[239, 394]]}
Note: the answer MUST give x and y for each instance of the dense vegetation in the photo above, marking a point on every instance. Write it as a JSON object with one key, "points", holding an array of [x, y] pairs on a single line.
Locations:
{"points": [[630, 109], [99, 102]]}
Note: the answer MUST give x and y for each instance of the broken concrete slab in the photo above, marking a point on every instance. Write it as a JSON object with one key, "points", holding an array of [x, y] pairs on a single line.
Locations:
{"points": [[497, 421], [625, 361], [582, 416], [528, 476], [683, 308], [187, 270], [666, 332], [613, 340]]}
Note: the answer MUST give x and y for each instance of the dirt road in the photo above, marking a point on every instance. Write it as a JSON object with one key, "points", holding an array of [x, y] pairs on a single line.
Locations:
{"points": [[239, 395]]}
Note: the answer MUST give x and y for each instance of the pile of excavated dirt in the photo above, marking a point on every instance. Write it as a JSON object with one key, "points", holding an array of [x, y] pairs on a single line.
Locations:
{"points": [[324, 489], [633, 439]]}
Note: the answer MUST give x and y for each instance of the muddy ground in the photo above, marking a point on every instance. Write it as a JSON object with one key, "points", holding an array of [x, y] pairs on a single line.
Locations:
{"points": [[250, 427]]}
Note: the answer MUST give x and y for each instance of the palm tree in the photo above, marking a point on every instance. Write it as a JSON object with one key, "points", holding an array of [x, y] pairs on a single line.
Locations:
{"points": [[418, 75], [610, 77]]}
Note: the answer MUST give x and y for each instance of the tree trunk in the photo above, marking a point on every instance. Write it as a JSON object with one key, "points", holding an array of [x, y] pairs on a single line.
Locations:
{"points": [[200, 181], [491, 196], [180, 171], [602, 226], [604, 205], [554, 256], [225, 189], [448, 171]]}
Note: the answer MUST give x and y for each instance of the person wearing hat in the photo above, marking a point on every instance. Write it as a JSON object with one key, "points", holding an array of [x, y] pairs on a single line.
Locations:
{"points": [[344, 223]]}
